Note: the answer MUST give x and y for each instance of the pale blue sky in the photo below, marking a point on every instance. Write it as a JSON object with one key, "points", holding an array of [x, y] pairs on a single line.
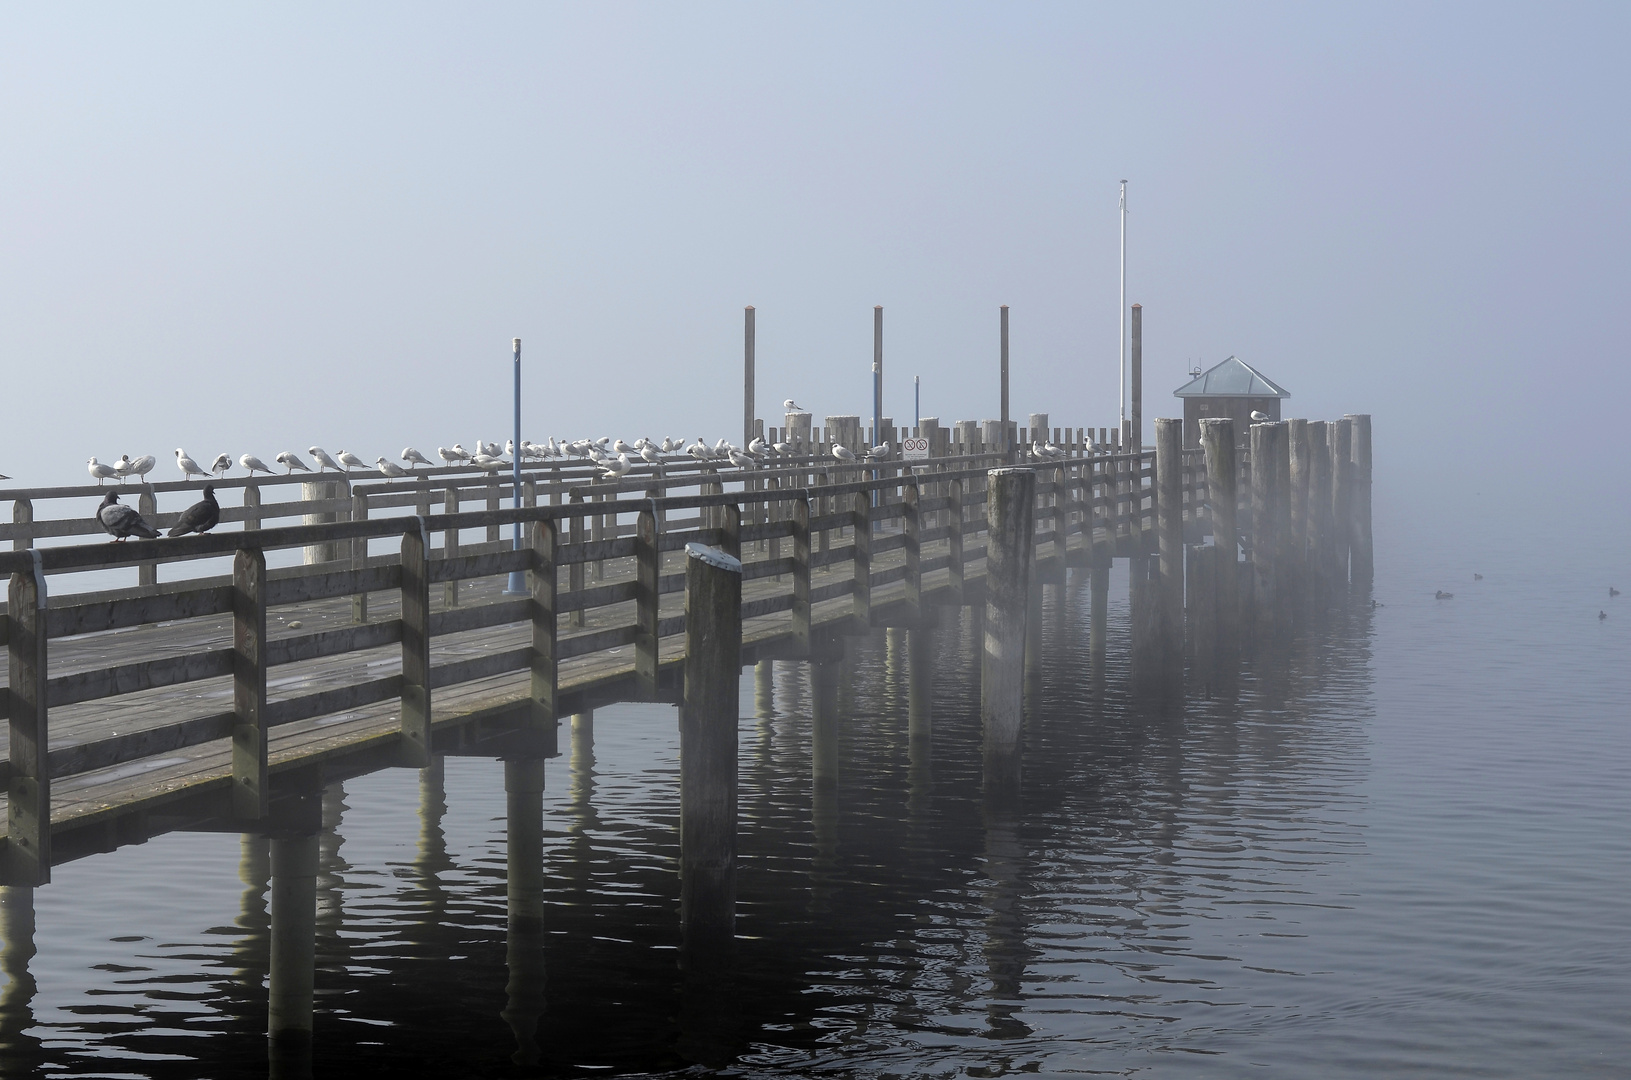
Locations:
{"points": [[256, 227]]}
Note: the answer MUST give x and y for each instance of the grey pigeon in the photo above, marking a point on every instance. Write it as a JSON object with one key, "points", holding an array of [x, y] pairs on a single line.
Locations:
{"points": [[200, 517], [120, 521]]}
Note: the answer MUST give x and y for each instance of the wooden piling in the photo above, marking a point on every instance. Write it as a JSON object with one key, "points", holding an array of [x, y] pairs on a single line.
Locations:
{"points": [[542, 580], [911, 532], [524, 902], [414, 747], [647, 571], [954, 542], [1169, 450], [861, 522], [250, 734], [1319, 511], [1136, 381], [1010, 496], [450, 545], [800, 513], [575, 569], [1218, 444], [708, 719], [1340, 437], [1300, 450], [1364, 559], [1271, 525], [359, 557], [28, 848]]}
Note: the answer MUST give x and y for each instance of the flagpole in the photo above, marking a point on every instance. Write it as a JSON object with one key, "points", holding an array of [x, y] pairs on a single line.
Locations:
{"points": [[1121, 322]]}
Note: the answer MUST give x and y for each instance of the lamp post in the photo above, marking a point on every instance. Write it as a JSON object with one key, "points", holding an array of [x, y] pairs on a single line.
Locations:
{"points": [[518, 580]]}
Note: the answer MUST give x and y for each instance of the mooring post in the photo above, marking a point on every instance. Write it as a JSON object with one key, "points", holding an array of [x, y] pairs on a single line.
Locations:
{"points": [[1300, 451], [574, 571], [524, 902], [1340, 437], [861, 522], [1222, 495], [708, 719], [545, 664], [293, 948], [1169, 451], [1319, 510], [800, 515], [911, 529], [1271, 524], [414, 745], [1010, 497], [28, 848], [954, 542], [1364, 561], [250, 734]]}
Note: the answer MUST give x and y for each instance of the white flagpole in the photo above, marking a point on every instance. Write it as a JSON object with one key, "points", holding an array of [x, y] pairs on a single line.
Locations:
{"points": [[1121, 320]]}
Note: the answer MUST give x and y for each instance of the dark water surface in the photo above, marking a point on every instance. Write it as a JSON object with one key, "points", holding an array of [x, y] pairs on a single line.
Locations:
{"points": [[1400, 848]]}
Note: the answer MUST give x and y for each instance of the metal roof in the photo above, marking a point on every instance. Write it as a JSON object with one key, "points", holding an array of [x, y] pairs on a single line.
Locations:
{"points": [[1232, 378]]}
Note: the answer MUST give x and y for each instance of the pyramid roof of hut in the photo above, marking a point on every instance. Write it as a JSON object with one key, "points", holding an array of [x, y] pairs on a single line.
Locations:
{"points": [[1232, 378]]}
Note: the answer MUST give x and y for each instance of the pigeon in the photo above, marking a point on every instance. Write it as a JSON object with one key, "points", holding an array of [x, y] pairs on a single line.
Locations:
{"points": [[254, 465], [319, 455], [221, 465], [142, 466], [290, 462], [791, 406], [842, 453], [1442, 595], [415, 458], [1260, 417], [120, 520], [200, 517], [99, 472], [351, 461], [189, 468], [390, 468]]}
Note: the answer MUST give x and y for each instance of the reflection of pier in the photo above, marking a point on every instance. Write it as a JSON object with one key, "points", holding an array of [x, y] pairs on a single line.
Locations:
{"points": [[905, 562]]}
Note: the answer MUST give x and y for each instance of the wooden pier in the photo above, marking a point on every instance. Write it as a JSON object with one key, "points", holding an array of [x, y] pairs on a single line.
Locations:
{"points": [[375, 633]]}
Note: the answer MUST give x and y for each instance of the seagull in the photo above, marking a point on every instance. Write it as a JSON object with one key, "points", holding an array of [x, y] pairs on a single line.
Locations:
{"points": [[120, 520], [621, 447], [390, 468], [721, 448], [782, 448], [842, 453], [254, 465], [489, 449], [1260, 417], [757, 446], [200, 517], [791, 406], [99, 472], [1601, 615], [319, 455], [121, 468], [488, 462], [290, 463], [189, 468], [221, 465], [1480, 577], [1442, 595], [699, 450], [448, 456], [460, 453], [880, 452], [651, 454], [4, 477], [415, 458], [617, 466], [351, 461], [142, 466], [741, 459]]}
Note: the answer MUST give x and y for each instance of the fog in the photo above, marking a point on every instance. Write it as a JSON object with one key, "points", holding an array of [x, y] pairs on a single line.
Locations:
{"points": [[254, 228]]}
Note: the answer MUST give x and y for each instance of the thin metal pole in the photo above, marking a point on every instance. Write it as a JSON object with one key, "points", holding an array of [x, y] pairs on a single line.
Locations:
{"points": [[877, 373], [518, 580], [1121, 318], [917, 400], [1004, 350], [747, 374]]}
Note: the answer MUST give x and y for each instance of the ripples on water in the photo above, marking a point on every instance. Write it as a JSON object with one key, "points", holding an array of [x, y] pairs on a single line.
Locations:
{"points": [[1398, 849]]}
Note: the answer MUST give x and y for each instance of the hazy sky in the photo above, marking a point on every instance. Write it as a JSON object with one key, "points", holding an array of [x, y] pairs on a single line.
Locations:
{"points": [[253, 228]]}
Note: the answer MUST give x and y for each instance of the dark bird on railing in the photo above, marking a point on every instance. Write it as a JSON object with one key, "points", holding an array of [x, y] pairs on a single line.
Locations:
{"points": [[200, 517], [1613, 592], [121, 521], [1442, 595]]}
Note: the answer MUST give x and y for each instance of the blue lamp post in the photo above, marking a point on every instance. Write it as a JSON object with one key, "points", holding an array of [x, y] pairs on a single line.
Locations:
{"points": [[518, 580]]}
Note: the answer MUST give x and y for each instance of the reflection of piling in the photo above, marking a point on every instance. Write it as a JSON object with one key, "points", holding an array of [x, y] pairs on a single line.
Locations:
{"points": [[1009, 500], [764, 690], [19, 1052], [708, 719], [293, 954], [920, 712], [1364, 567], [524, 897], [824, 676]]}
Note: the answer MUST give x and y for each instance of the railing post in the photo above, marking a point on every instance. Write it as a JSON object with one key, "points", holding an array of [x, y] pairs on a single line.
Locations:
{"points": [[252, 506], [861, 522], [1061, 522], [1364, 559], [415, 723], [250, 736], [954, 541], [22, 515], [544, 663], [450, 546], [800, 515], [29, 793], [911, 532], [147, 506], [359, 558], [708, 751], [574, 573], [495, 532], [647, 563]]}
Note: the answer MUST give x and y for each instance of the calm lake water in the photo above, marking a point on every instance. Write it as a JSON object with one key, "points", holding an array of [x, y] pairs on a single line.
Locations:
{"points": [[1400, 849]]}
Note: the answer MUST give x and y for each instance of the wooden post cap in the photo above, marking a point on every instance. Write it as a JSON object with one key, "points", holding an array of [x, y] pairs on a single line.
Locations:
{"points": [[713, 557]]}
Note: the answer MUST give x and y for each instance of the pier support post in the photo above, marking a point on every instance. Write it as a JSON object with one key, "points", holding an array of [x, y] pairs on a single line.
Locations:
{"points": [[1364, 564], [1340, 437], [911, 531], [28, 851], [1319, 511], [1299, 446], [1169, 450], [1218, 444], [249, 730], [1271, 524], [708, 719], [524, 902], [450, 545], [800, 513], [415, 722], [542, 580], [647, 568], [359, 558], [294, 952], [1010, 499], [861, 525], [954, 542]]}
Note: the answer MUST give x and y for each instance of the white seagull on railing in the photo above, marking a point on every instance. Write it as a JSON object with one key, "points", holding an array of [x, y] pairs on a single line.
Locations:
{"points": [[100, 472], [880, 452], [842, 452], [488, 462], [414, 457], [460, 453], [189, 468], [791, 406], [320, 456], [390, 468], [617, 466], [221, 465], [740, 458], [254, 465], [290, 463], [351, 461], [142, 466]]}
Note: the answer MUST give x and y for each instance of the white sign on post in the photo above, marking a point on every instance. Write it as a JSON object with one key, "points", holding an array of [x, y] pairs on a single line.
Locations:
{"points": [[914, 449]]}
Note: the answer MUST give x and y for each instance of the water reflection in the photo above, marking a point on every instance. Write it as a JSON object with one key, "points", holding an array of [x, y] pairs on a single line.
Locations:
{"points": [[19, 1048]]}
